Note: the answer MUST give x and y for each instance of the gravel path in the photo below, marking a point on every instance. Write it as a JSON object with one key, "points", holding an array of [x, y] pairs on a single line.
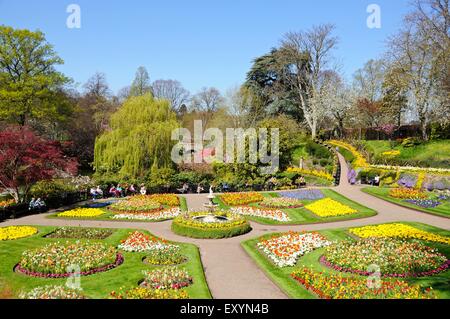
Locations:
{"points": [[230, 272]]}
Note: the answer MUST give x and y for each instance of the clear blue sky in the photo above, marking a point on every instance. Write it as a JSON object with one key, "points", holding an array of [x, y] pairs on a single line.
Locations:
{"points": [[198, 42]]}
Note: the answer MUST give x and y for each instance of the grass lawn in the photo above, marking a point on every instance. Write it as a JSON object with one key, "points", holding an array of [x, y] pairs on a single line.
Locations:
{"points": [[107, 216], [383, 193], [99, 285], [430, 154], [281, 276], [301, 216]]}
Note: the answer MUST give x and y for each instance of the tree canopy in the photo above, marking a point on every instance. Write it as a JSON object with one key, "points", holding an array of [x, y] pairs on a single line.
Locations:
{"points": [[139, 139]]}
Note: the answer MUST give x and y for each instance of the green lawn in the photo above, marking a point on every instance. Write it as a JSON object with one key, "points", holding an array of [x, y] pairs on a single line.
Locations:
{"points": [[108, 214], [281, 276], [302, 216], [383, 193], [99, 285], [430, 154]]}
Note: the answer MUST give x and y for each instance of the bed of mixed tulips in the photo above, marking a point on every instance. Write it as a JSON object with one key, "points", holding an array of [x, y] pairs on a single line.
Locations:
{"points": [[407, 193], [394, 257], [274, 214], [167, 278], [189, 219], [140, 242], [398, 230], [53, 260], [285, 250], [145, 293], [328, 207], [154, 216], [16, 232], [281, 203], [168, 255], [136, 204], [82, 213], [239, 199], [171, 200], [80, 233], [338, 286], [53, 292]]}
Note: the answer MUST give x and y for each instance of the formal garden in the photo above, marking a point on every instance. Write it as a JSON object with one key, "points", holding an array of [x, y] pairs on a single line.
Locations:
{"points": [[301, 182]]}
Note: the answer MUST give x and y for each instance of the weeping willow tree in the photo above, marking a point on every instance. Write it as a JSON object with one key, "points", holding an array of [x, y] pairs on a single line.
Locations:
{"points": [[139, 139]]}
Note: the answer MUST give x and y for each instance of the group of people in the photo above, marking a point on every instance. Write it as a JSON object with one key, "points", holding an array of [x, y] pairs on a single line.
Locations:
{"points": [[37, 205], [117, 191]]}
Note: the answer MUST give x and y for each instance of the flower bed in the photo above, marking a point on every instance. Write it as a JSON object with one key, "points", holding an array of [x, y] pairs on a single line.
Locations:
{"points": [[359, 161], [239, 199], [140, 242], [16, 232], [399, 231], [407, 193], [166, 199], [274, 214], [53, 292], [158, 215], [80, 233], [304, 194], [285, 250], [51, 261], [144, 293], [82, 213], [396, 258], [424, 203], [230, 225], [337, 286], [136, 204], [167, 278], [169, 255], [328, 207], [7, 203], [280, 202], [311, 172]]}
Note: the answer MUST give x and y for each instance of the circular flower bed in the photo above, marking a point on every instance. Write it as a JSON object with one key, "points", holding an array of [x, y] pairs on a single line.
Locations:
{"points": [[140, 242], [16, 232], [53, 292], [396, 258], [281, 202], [80, 233], [169, 255], [82, 213], [205, 225], [167, 278], [53, 260], [136, 204]]}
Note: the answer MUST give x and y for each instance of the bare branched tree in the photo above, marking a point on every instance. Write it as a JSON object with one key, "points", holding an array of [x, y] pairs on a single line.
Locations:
{"points": [[171, 90]]}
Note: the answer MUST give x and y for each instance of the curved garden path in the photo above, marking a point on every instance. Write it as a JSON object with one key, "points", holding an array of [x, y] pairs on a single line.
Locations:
{"points": [[230, 272]]}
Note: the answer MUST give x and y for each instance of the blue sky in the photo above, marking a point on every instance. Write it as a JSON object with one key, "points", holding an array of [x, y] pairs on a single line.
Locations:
{"points": [[198, 42]]}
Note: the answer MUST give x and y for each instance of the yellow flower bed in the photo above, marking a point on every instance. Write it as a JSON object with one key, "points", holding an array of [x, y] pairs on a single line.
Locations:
{"points": [[398, 231], [15, 232], [316, 173], [82, 212], [391, 153], [360, 161], [328, 207]]}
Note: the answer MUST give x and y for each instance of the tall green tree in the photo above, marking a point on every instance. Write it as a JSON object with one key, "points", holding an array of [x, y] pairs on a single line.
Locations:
{"points": [[139, 139], [30, 86]]}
